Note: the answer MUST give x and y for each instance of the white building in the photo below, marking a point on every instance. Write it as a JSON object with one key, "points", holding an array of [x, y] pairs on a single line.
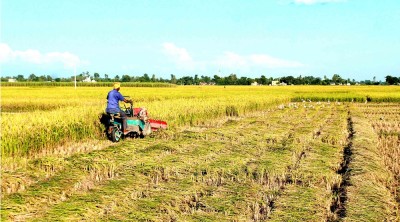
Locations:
{"points": [[254, 84], [87, 79], [275, 83]]}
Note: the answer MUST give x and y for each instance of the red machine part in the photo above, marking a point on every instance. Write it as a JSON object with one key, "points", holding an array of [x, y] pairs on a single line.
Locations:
{"points": [[136, 111], [155, 124]]}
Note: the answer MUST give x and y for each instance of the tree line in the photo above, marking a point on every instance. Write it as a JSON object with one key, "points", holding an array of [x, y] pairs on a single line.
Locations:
{"points": [[232, 79]]}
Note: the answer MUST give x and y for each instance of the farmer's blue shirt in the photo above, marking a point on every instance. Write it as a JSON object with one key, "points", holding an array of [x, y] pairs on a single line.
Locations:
{"points": [[113, 98]]}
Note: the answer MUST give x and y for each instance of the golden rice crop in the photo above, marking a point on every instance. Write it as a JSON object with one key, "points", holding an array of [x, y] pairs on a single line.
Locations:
{"points": [[60, 115], [54, 115]]}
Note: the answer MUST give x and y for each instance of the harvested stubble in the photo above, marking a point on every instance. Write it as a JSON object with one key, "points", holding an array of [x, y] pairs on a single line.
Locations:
{"points": [[249, 168], [369, 196], [311, 195], [188, 178]]}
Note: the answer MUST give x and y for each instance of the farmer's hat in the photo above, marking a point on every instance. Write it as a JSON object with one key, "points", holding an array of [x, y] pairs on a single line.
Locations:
{"points": [[117, 85]]}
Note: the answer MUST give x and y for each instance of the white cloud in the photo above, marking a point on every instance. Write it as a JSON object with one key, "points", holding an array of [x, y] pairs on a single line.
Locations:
{"points": [[36, 57], [311, 2], [176, 53], [30, 55], [6, 54], [179, 56], [271, 62], [228, 60], [233, 60], [68, 59]]}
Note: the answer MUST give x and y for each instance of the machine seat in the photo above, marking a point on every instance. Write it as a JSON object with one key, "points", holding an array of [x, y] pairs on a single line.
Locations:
{"points": [[114, 115]]}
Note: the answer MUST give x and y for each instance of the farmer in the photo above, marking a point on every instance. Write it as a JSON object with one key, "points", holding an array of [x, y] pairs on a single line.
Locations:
{"points": [[113, 98]]}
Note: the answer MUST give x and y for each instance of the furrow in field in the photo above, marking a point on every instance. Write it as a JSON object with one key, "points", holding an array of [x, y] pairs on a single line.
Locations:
{"points": [[372, 194], [310, 198], [339, 190]]}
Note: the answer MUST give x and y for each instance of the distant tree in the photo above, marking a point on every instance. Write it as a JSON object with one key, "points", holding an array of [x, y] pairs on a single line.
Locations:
{"points": [[205, 79], [307, 80], [80, 77], [217, 80], [186, 80], [5, 79], [245, 81], [125, 78], [299, 80], [146, 77], [20, 78], [336, 78], [106, 79], [288, 80], [42, 78], [390, 80], [96, 76], [316, 81], [173, 79], [33, 77], [263, 80], [366, 82], [231, 79]]}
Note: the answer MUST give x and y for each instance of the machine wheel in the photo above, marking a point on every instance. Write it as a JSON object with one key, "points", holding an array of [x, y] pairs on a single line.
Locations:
{"points": [[116, 135]]}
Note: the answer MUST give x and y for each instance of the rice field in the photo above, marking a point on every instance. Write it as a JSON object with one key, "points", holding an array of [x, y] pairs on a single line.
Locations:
{"points": [[295, 153]]}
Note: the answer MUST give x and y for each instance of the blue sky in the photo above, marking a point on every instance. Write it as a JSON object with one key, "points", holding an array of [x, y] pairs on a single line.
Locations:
{"points": [[357, 39]]}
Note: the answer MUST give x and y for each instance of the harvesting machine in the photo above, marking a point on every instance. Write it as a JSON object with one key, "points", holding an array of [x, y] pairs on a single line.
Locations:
{"points": [[138, 124]]}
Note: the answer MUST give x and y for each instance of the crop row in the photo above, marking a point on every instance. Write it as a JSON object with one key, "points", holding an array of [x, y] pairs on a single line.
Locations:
{"points": [[373, 182], [387, 129]]}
